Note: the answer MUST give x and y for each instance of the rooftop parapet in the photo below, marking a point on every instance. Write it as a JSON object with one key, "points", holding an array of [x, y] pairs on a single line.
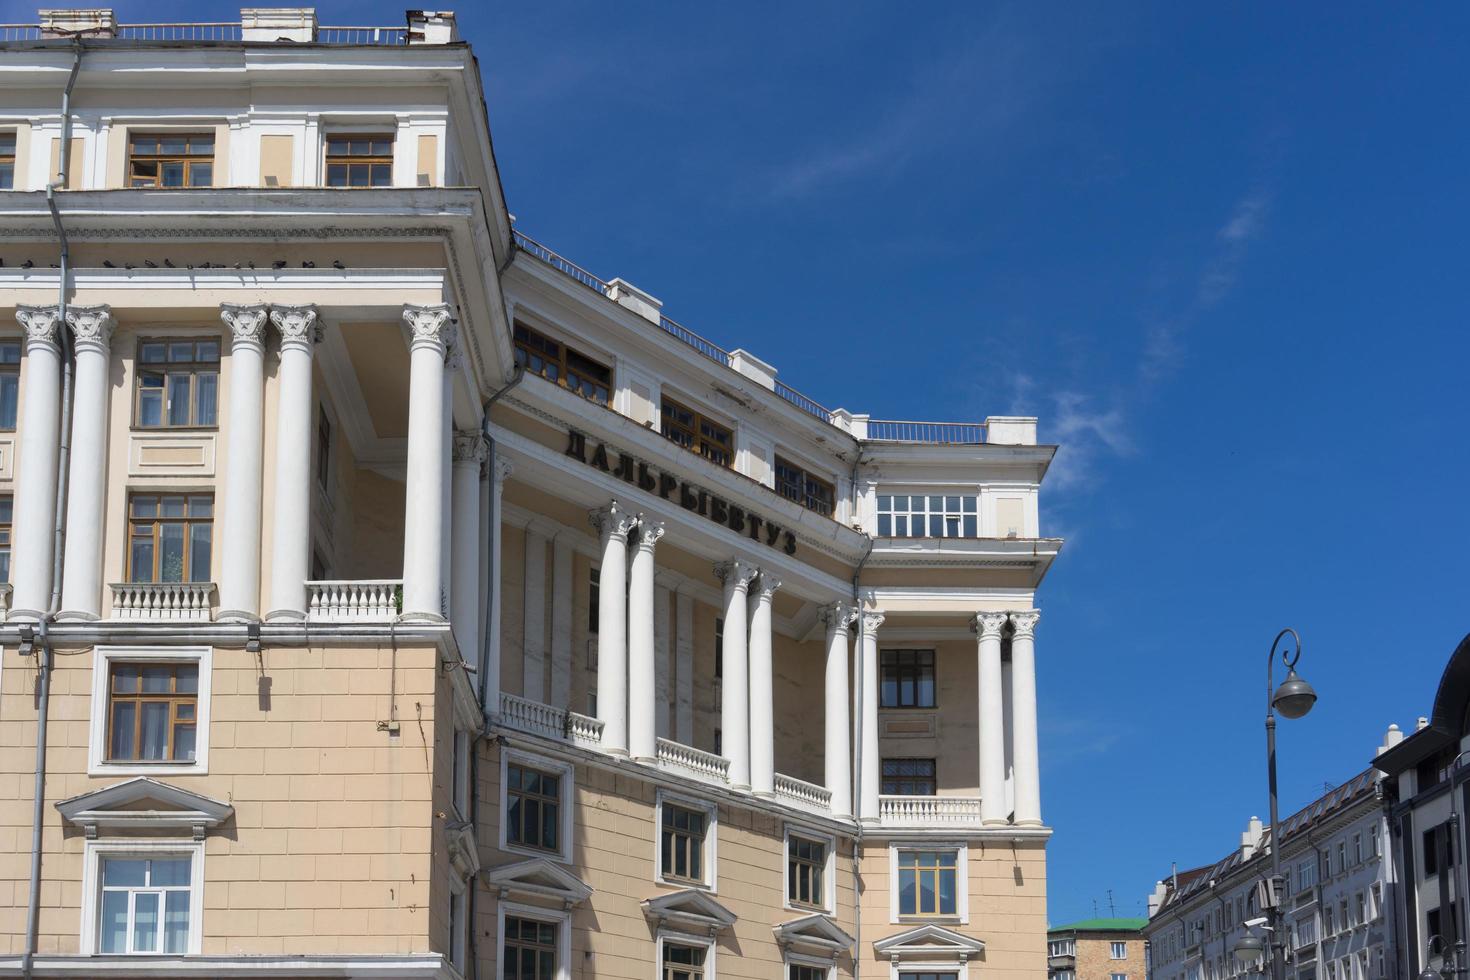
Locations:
{"points": [[256, 25]]}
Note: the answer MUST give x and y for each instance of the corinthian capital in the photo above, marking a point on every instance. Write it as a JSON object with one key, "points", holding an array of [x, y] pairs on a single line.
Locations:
{"points": [[649, 532], [91, 327], [1025, 622], [612, 521], [503, 469], [429, 326], [298, 326], [469, 446], [41, 325], [454, 350], [871, 621], [838, 616], [736, 574], [989, 624], [766, 587], [247, 324]]}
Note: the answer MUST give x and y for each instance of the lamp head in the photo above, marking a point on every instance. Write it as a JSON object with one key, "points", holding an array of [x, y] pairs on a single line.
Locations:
{"points": [[1248, 948], [1295, 697], [1431, 974]]}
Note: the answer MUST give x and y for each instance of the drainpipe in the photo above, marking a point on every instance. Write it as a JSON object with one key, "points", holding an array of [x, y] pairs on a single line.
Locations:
{"points": [[857, 782], [43, 650]]}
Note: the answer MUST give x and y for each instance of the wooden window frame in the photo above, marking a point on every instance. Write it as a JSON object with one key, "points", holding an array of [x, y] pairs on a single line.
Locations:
{"points": [[10, 353], [371, 159], [193, 368], [802, 970], [913, 673], [933, 870], [174, 698], [690, 435], [156, 523], [540, 799], [526, 349], [7, 160], [7, 520], [802, 486], [803, 873], [158, 159], [535, 946], [682, 842], [565, 773], [693, 971], [884, 776]]}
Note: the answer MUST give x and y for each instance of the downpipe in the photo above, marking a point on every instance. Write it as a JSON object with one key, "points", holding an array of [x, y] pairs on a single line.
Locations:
{"points": [[44, 655]]}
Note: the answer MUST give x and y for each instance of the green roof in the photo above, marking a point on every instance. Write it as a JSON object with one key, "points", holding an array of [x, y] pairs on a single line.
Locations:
{"points": [[1102, 925]]}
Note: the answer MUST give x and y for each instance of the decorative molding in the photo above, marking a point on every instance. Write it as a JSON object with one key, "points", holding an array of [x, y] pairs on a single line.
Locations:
{"points": [[92, 327], [649, 532], [690, 910], [42, 325], [430, 327], [736, 574], [298, 326], [871, 621], [247, 324], [538, 878], [117, 807], [814, 935], [989, 624], [838, 616], [469, 446], [1025, 622], [766, 587], [929, 943], [611, 520]]}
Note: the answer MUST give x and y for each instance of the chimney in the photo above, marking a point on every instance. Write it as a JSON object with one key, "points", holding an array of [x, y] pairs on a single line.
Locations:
{"points": [[90, 22], [1156, 898], [432, 27], [1250, 840], [1422, 724], [1391, 738]]}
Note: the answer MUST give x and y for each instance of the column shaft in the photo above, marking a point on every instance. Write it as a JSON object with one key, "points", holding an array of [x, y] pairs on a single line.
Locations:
{"points": [[81, 583], [562, 564], [735, 682], [684, 668], [1023, 720], [762, 690], [295, 419], [663, 663], [614, 523], [34, 513], [500, 469], [464, 599], [868, 804], [838, 618], [992, 721], [423, 525], [642, 668], [239, 578]]}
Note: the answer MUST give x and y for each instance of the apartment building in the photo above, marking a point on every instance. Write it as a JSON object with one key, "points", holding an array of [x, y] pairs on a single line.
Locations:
{"points": [[1097, 949], [1339, 896], [389, 596]]}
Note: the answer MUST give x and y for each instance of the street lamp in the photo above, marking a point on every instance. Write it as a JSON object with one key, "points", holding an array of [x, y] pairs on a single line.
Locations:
{"points": [[1454, 965], [1249, 948], [1294, 698]]}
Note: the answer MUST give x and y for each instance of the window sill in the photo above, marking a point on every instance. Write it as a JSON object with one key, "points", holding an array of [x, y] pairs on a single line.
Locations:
{"points": [[165, 429], [948, 920], [561, 857], [148, 769], [667, 882]]}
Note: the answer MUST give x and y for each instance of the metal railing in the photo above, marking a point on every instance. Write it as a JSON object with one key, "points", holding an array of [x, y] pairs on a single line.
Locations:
{"points": [[929, 811], [362, 35], [708, 348], [161, 601], [802, 401], [179, 32], [560, 263], [354, 601], [803, 793], [933, 433], [20, 32], [697, 762], [384, 36]]}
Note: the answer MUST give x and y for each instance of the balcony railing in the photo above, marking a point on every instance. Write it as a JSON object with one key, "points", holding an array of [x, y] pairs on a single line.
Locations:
{"points": [[218, 32], [354, 601], [802, 793], [697, 762], [179, 32], [20, 32], [362, 35], [932, 433], [584, 729], [162, 601], [929, 811], [536, 718]]}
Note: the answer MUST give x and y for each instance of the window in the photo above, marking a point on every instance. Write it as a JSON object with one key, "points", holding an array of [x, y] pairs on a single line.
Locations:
{"points": [[1377, 900], [458, 938], [555, 361], [719, 649], [683, 962], [1124, 976], [323, 447], [9, 384], [529, 947], [805, 971], [360, 160], [1328, 928], [1343, 922], [171, 160], [594, 597], [806, 872], [1361, 901], [909, 777], [177, 384], [908, 679], [7, 516], [1119, 951], [812, 492], [153, 712], [7, 161], [1357, 849], [1341, 856], [1062, 947], [682, 856], [1306, 875], [928, 516], [532, 807], [145, 903], [927, 883], [932, 976], [169, 537], [1373, 840], [698, 434]]}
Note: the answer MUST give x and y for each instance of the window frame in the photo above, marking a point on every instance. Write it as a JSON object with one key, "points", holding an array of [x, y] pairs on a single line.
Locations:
{"points": [[7, 533], [910, 969], [93, 851], [829, 871], [563, 367], [711, 810], [791, 958], [693, 431], [1113, 949], [808, 478], [11, 370], [165, 367], [561, 918], [368, 132], [962, 883], [892, 514], [159, 159], [884, 760], [12, 158], [900, 668], [567, 771], [665, 936], [103, 658], [189, 521]]}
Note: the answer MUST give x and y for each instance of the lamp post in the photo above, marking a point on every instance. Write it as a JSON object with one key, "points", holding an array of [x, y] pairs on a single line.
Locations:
{"points": [[1293, 699], [1454, 965]]}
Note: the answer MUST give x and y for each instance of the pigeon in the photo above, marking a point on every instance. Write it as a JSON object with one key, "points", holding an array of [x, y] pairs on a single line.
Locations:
{"points": [[251, 263], [129, 266], [237, 264], [107, 264], [337, 264], [150, 263], [190, 267], [278, 264], [308, 264], [27, 264], [169, 263]]}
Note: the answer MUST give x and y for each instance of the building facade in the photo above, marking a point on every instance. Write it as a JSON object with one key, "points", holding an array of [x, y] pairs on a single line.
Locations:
{"points": [[391, 597], [1097, 949], [1339, 896]]}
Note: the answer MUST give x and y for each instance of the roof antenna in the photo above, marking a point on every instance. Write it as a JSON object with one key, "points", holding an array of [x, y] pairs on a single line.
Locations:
{"points": [[1094, 908], [1112, 908]]}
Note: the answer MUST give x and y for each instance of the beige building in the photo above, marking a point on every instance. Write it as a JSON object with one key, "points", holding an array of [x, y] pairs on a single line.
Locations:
{"points": [[391, 597], [1098, 949]]}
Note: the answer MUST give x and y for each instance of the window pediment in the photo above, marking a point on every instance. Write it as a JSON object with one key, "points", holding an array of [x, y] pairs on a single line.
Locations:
{"points": [[539, 878], [144, 804], [815, 935], [929, 943], [689, 910]]}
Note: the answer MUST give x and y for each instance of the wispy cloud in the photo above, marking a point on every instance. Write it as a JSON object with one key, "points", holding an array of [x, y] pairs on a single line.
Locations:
{"points": [[1072, 738]]}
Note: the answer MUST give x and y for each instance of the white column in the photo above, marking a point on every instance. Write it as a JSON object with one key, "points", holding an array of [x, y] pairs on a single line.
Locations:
{"points": [[81, 583], [1023, 720], [613, 524], [423, 525], [295, 420], [735, 686], [762, 689], [642, 668], [533, 617], [662, 663], [561, 620], [868, 723], [1006, 709], [684, 669], [34, 513], [500, 470], [992, 720], [838, 618], [239, 541], [464, 597], [453, 365]]}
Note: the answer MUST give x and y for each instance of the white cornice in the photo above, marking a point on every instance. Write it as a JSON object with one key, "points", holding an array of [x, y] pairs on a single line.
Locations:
{"points": [[419, 966]]}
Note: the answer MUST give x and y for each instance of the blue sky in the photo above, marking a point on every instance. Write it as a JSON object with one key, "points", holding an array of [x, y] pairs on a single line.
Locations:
{"points": [[1219, 253]]}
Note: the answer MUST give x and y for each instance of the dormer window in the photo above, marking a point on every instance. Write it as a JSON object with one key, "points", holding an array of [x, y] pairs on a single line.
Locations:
{"points": [[360, 160], [171, 160], [697, 433]]}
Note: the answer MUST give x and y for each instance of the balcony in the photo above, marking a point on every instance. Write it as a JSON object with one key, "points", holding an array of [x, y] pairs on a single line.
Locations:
{"points": [[377, 600], [803, 794], [929, 811], [162, 602], [535, 718]]}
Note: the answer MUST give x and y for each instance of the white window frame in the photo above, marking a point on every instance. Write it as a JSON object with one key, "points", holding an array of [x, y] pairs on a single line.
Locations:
{"points": [[708, 943], [711, 811], [946, 490], [829, 872], [562, 920], [962, 881], [459, 936], [102, 660], [791, 959], [567, 771], [93, 851], [898, 970], [463, 748], [1113, 949]]}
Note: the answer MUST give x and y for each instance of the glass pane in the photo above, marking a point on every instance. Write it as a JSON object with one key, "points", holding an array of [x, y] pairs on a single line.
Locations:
{"points": [[171, 174], [173, 144], [885, 526], [926, 690], [208, 351], [9, 388], [157, 679], [170, 872], [178, 399], [907, 891], [112, 931], [970, 529], [337, 175], [926, 893], [141, 560], [199, 551], [946, 893], [171, 506], [155, 731], [548, 827], [181, 352], [124, 872], [201, 175], [187, 679], [176, 920], [145, 922], [124, 715], [382, 175], [513, 819], [150, 406], [201, 506], [184, 742], [357, 175]]}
